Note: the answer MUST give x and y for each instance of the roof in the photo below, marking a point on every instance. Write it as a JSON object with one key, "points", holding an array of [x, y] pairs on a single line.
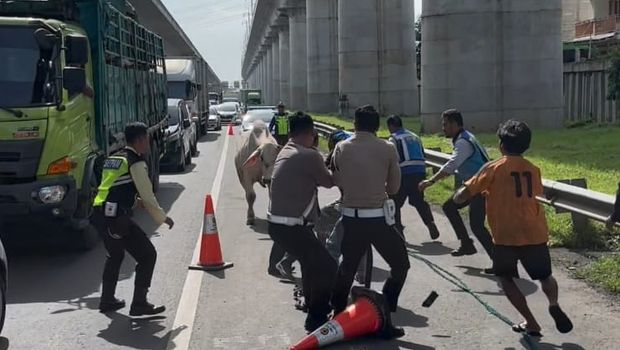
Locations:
{"points": [[594, 37]]}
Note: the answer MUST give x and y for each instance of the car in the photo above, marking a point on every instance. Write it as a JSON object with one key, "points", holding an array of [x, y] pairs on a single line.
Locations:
{"points": [[263, 114], [182, 139], [4, 278], [229, 112], [214, 122]]}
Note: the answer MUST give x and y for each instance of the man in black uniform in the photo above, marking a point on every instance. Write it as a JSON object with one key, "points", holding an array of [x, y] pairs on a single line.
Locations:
{"points": [[125, 184], [367, 171]]}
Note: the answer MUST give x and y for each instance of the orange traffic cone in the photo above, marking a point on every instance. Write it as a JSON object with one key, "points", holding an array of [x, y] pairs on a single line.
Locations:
{"points": [[367, 315], [230, 129], [210, 250]]}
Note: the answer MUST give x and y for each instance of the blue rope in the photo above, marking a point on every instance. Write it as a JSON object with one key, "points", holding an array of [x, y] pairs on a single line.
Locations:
{"points": [[464, 287]]}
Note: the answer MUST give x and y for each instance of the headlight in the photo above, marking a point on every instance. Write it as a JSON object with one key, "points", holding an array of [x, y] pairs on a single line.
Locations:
{"points": [[52, 194]]}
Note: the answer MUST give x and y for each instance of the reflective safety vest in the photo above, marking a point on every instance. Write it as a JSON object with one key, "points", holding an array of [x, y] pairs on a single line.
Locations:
{"points": [[282, 125], [472, 165], [117, 185], [410, 152]]}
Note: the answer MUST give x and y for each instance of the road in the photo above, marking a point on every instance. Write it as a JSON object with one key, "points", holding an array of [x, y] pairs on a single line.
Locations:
{"points": [[53, 296]]}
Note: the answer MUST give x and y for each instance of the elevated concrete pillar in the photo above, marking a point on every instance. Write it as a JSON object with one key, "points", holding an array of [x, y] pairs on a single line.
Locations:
{"points": [[275, 55], [322, 46], [285, 68], [298, 57], [377, 55], [473, 59], [269, 74]]}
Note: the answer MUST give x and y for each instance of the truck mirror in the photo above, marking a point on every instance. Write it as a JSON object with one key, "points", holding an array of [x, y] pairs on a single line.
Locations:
{"points": [[74, 80], [77, 50], [187, 123], [45, 39], [199, 87]]}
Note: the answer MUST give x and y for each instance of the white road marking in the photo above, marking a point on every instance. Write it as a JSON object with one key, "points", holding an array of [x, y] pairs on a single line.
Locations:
{"points": [[186, 312]]}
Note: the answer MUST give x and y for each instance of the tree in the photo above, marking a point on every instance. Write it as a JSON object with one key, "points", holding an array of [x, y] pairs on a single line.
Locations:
{"points": [[613, 85]]}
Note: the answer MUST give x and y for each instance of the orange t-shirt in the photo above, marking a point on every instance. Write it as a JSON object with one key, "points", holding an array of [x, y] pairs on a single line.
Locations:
{"points": [[511, 185]]}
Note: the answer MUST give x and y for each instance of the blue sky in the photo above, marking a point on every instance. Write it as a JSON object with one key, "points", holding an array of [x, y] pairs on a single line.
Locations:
{"points": [[217, 29]]}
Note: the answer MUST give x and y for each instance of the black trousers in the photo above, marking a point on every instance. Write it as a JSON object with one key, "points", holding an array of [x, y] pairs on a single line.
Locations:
{"points": [[123, 234], [409, 189], [358, 235], [281, 139], [318, 268], [278, 254], [477, 216]]}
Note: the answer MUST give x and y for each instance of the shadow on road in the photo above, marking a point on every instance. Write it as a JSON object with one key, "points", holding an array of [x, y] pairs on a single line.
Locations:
{"points": [[4, 343], [260, 226], [137, 333], [430, 248], [210, 136], [547, 346], [408, 318], [379, 344], [52, 274]]}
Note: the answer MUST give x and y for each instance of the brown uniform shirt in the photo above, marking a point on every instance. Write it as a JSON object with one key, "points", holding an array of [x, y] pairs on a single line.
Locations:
{"points": [[366, 169], [296, 174]]}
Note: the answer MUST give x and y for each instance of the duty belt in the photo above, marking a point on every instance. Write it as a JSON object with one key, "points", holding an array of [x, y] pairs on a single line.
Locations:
{"points": [[284, 220], [363, 213]]}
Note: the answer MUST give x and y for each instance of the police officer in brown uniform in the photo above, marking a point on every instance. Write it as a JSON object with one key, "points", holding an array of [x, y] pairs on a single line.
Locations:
{"points": [[367, 170], [298, 170]]}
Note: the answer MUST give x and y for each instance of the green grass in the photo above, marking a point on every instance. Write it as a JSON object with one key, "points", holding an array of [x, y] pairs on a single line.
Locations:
{"points": [[589, 152], [604, 272]]}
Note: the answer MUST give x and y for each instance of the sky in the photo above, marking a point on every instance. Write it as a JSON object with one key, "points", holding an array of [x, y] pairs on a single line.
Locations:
{"points": [[218, 28]]}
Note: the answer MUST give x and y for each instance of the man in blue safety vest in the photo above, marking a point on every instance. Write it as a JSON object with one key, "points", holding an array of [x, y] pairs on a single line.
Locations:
{"points": [[467, 159], [413, 171], [279, 125]]}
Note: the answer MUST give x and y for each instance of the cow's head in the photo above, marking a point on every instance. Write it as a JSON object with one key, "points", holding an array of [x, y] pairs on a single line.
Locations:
{"points": [[266, 155]]}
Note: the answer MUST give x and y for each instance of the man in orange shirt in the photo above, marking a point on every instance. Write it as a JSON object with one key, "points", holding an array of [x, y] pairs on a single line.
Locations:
{"points": [[518, 223]]}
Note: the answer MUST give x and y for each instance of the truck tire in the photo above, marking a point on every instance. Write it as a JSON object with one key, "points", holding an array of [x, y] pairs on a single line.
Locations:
{"points": [[154, 166]]}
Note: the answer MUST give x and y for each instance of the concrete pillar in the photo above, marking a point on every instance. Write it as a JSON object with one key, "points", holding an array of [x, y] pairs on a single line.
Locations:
{"points": [[269, 75], [377, 55], [285, 68], [298, 57], [473, 59], [322, 46], [275, 82]]}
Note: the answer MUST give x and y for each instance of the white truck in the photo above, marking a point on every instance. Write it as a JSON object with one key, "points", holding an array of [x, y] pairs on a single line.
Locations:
{"points": [[187, 80]]}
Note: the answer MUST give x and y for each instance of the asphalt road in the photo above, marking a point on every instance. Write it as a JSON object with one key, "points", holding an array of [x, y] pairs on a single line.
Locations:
{"points": [[53, 295]]}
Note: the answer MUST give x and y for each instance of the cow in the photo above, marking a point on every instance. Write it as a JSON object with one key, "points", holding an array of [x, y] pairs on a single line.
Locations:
{"points": [[254, 162]]}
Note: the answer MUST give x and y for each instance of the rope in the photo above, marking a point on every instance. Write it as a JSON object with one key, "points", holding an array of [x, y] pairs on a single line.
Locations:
{"points": [[464, 287]]}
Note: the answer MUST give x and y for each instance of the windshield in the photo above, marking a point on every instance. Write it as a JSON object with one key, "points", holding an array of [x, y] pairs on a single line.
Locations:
{"points": [[173, 112], [26, 72], [177, 89], [258, 114], [213, 111], [228, 107]]}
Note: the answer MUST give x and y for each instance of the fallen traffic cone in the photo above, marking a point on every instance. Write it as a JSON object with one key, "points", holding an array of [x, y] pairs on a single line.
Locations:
{"points": [[230, 129], [210, 250], [367, 315]]}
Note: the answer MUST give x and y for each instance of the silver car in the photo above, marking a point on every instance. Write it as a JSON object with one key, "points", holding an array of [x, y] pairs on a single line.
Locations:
{"points": [[263, 114]]}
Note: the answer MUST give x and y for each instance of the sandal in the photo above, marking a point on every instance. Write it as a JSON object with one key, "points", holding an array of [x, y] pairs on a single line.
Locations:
{"points": [[522, 328], [562, 322]]}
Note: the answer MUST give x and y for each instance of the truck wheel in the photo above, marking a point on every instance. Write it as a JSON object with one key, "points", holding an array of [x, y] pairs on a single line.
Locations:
{"points": [[85, 200], [154, 166]]}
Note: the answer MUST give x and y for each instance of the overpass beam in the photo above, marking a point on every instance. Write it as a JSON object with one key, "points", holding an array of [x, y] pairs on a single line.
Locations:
{"points": [[322, 24]]}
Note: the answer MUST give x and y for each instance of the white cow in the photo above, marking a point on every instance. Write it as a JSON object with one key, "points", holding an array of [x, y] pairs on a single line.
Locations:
{"points": [[254, 162]]}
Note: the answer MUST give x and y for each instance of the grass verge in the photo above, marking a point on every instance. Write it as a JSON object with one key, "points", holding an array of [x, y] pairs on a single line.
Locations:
{"points": [[604, 272]]}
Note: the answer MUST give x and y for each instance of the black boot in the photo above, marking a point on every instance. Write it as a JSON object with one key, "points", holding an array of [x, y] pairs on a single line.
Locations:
{"points": [[108, 303], [466, 248], [140, 306]]}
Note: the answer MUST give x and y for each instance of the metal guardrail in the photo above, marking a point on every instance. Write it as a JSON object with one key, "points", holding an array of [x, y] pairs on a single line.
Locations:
{"points": [[580, 202]]}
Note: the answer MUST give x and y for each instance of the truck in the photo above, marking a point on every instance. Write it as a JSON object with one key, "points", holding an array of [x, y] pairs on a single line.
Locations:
{"points": [[251, 97], [187, 80], [73, 73]]}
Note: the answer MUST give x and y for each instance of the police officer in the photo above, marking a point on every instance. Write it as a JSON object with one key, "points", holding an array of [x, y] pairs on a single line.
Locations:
{"points": [[467, 159], [125, 184], [279, 125], [367, 217], [298, 170], [413, 171]]}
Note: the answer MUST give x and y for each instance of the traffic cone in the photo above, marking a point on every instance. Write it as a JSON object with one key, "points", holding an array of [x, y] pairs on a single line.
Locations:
{"points": [[210, 250], [230, 129], [367, 315]]}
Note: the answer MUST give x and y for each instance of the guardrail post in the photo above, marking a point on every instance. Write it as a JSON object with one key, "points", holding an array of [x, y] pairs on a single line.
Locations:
{"points": [[580, 222], [436, 149]]}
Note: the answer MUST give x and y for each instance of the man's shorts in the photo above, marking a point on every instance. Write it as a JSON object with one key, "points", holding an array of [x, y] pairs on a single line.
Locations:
{"points": [[534, 258]]}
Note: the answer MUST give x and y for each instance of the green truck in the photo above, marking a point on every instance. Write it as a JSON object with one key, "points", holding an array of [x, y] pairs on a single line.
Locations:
{"points": [[251, 97], [73, 73]]}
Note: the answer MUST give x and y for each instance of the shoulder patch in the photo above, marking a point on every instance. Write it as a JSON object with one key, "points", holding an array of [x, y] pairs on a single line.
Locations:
{"points": [[112, 163]]}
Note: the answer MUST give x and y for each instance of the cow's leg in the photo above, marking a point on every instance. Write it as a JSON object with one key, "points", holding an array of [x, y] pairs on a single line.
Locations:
{"points": [[250, 196]]}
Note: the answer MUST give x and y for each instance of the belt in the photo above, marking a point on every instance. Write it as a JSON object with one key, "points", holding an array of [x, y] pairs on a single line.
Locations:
{"points": [[284, 220], [363, 213]]}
